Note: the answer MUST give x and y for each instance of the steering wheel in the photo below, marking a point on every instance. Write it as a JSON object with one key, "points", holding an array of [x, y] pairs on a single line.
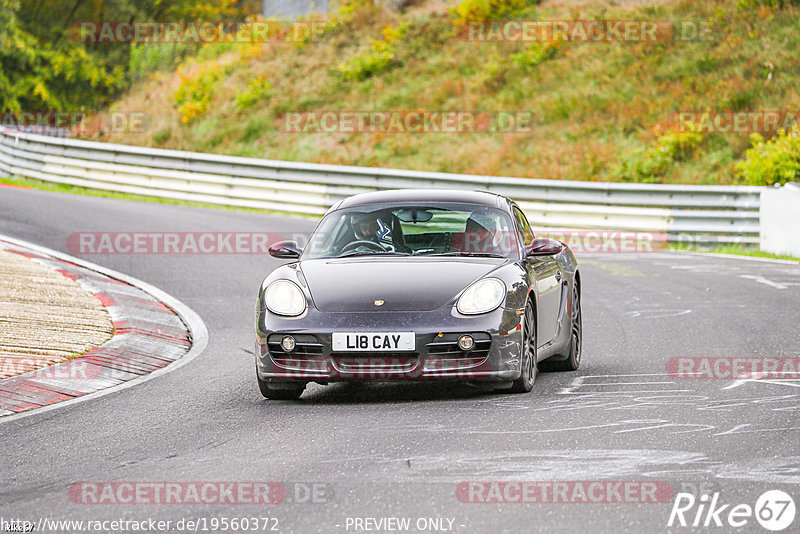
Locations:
{"points": [[372, 245]]}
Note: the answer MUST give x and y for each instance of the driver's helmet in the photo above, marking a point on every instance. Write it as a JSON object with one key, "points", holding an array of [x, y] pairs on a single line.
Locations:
{"points": [[372, 228], [481, 222], [481, 230]]}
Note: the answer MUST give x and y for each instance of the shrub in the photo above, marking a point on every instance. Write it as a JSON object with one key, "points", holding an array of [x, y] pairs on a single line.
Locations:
{"points": [[680, 146], [151, 57], [534, 55], [213, 50], [362, 66], [162, 136], [643, 166], [343, 16], [483, 10], [302, 34], [652, 164], [753, 4], [194, 95], [392, 35], [378, 59], [348, 10], [257, 89], [494, 73], [772, 161]]}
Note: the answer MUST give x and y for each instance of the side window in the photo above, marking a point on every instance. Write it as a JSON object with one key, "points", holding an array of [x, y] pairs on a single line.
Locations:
{"points": [[523, 227]]}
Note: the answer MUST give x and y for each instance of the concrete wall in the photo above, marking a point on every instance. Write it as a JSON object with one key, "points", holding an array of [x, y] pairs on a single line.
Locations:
{"points": [[293, 8], [780, 220]]}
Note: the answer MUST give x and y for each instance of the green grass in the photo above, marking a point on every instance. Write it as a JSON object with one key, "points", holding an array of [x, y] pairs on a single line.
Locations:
{"points": [[601, 109], [77, 190], [735, 250]]}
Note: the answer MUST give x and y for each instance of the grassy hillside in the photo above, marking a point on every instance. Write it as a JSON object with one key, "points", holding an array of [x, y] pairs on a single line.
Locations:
{"points": [[604, 111]]}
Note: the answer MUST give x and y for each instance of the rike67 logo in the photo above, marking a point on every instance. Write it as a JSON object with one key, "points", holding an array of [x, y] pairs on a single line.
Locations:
{"points": [[774, 510]]}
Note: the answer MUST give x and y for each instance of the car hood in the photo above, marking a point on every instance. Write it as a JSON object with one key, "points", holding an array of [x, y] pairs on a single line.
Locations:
{"points": [[404, 284]]}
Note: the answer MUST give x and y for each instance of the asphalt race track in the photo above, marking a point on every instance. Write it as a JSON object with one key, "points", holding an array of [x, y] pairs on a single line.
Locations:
{"points": [[401, 450]]}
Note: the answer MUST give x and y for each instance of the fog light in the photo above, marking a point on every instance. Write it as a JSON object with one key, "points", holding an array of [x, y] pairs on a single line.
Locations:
{"points": [[466, 342], [288, 343]]}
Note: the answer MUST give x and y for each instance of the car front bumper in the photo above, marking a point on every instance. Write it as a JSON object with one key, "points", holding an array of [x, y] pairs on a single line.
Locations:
{"points": [[436, 356]]}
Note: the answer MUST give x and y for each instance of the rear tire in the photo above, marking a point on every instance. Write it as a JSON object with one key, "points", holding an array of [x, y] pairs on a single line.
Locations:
{"points": [[280, 394], [528, 366], [573, 359]]}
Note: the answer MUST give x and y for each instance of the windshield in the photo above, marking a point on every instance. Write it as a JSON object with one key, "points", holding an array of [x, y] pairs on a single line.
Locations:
{"points": [[414, 230]]}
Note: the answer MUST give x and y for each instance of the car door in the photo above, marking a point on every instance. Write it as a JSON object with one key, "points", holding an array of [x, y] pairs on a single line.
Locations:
{"points": [[547, 275]]}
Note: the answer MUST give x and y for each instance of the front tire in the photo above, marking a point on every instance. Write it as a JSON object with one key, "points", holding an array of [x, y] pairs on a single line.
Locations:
{"points": [[528, 365], [279, 394]]}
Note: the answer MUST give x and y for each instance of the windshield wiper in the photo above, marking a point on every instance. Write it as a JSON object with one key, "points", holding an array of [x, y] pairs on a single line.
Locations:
{"points": [[372, 253], [465, 253]]}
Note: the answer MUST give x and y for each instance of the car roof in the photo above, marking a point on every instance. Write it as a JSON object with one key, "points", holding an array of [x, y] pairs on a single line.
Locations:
{"points": [[424, 195]]}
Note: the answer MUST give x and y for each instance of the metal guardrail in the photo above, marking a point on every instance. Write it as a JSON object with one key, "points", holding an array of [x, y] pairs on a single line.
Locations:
{"points": [[700, 214]]}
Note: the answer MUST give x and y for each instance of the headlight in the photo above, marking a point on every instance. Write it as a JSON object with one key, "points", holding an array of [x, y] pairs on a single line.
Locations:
{"points": [[285, 298], [482, 296]]}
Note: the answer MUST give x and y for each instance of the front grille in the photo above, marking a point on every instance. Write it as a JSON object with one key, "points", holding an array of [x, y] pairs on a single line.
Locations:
{"points": [[441, 354], [445, 355], [373, 363], [306, 356]]}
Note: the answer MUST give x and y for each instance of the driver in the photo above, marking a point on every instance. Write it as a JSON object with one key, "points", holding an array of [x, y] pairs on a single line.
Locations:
{"points": [[367, 228], [370, 227], [478, 236]]}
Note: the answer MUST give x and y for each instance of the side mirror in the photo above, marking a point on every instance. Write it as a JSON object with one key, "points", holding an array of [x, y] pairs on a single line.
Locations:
{"points": [[543, 246], [287, 250]]}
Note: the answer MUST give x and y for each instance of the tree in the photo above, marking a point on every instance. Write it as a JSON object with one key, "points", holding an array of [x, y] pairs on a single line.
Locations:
{"points": [[44, 66]]}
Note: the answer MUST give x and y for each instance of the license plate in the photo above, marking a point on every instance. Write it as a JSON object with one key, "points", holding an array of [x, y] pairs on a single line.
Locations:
{"points": [[374, 341]]}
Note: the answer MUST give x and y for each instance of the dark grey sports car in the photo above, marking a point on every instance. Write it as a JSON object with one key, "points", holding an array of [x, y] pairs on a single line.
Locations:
{"points": [[419, 285]]}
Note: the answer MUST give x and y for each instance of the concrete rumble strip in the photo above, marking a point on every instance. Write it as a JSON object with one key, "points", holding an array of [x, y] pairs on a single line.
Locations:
{"points": [[68, 331], [45, 317]]}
